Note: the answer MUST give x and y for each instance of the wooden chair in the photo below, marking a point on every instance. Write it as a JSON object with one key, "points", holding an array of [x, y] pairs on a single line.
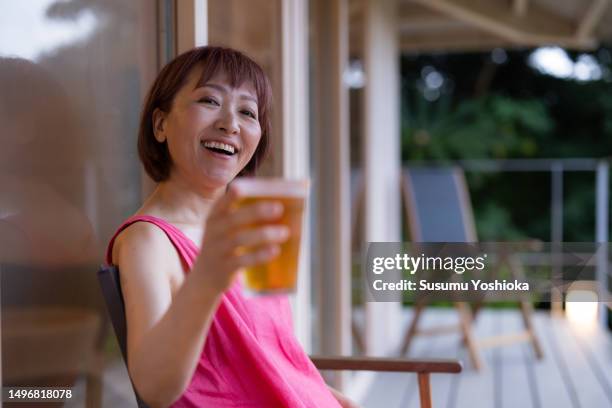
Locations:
{"points": [[111, 290], [438, 209]]}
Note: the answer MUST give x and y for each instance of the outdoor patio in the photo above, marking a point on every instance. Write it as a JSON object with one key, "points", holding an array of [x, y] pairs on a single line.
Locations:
{"points": [[335, 67]]}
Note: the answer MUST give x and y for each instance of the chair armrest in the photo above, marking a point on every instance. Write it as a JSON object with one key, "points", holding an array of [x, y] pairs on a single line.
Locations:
{"points": [[386, 364]]}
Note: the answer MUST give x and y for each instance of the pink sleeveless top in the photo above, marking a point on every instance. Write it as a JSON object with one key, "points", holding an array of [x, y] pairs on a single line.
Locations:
{"points": [[251, 357]]}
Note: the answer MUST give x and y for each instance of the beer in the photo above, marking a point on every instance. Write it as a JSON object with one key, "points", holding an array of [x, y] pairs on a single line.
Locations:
{"points": [[280, 274]]}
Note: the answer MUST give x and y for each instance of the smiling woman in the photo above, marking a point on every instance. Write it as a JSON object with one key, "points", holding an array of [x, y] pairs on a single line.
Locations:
{"points": [[205, 122], [198, 69]]}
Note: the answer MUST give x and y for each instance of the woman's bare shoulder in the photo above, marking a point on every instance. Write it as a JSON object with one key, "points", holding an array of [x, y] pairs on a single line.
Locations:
{"points": [[140, 239], [143, 250]]}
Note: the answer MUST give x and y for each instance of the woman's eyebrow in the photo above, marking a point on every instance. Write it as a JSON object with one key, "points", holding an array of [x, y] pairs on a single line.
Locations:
{"points": [[248, 97], [220, 88], [224, 89]]}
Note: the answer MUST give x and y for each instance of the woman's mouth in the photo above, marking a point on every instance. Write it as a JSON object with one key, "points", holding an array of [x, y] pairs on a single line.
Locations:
{"points": [[219, 148]]}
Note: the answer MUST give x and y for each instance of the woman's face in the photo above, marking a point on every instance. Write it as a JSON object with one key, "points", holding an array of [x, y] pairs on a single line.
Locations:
{"points": [[212, 130]]}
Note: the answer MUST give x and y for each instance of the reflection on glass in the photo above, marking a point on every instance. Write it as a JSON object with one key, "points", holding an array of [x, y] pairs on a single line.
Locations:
{"points": [[41, 142], [42, 34], [71, 91]]}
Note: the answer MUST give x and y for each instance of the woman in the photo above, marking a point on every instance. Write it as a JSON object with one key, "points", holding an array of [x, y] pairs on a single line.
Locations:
{"points": [[194, 340]]}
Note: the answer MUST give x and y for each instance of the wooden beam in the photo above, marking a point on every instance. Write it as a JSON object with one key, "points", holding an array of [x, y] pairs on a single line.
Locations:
{"points": [[452, 41], [413, 12], [431, 27], [538, 27], [591, 18], [519, 7], [469, 41], [415, 17]]}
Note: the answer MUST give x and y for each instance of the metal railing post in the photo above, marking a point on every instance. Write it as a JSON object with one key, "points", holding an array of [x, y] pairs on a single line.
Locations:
{"points": [[556, 232], [601, 235]]}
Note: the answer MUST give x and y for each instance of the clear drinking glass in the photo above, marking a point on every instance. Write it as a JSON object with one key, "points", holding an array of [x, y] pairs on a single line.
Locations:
{"points": [[280, 274]]}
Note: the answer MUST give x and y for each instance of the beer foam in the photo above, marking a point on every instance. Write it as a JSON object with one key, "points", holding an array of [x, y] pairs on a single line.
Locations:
{"points": [[270, 187]]}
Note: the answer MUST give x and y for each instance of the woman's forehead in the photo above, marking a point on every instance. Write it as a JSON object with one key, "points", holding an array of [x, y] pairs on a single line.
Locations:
{"points": [[197, 79]]}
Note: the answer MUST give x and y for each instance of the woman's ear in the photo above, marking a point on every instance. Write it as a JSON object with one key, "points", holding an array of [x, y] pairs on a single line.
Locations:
{"points": [[159, 125]]}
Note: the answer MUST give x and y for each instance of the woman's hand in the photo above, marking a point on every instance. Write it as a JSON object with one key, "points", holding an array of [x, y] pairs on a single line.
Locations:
{"points": [[235, 238]]}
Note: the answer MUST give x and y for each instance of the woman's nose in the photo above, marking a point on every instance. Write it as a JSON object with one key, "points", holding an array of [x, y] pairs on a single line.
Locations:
{"points": [[228, 122]]}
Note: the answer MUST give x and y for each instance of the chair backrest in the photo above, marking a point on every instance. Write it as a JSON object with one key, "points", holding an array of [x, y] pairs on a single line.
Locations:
{"points": [[65, 286], [108, 277], [437, 205]]}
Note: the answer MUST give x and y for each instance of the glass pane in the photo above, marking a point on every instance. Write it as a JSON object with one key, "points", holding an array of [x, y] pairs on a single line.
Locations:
{"points": [[253, 28], [72, 75]]}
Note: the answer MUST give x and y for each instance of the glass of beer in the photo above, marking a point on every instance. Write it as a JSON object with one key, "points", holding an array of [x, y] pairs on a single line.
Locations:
{"points": [[280, 274]]}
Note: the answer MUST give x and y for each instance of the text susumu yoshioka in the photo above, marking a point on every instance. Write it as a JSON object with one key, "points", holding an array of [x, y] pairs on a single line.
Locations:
{"points": [[473, 284]]}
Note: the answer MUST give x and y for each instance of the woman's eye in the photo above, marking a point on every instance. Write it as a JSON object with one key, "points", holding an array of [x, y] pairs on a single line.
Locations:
{"points": [[210, 101], [249, 113]]}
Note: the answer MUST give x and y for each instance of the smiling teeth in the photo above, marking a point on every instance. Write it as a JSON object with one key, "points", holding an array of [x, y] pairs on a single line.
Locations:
{"points": [[218, 145]]}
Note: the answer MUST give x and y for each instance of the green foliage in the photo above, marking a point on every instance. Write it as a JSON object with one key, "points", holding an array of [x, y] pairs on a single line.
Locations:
{"points": [[520, 113], [494, 126], [493, 218]]}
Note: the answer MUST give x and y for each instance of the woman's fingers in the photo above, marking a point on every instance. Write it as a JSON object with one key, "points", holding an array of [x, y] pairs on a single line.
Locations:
{"points": [[247, 248], [255, 213], [256, 257], [247, 215], [241, 236], [269, 234], [251, 239]]}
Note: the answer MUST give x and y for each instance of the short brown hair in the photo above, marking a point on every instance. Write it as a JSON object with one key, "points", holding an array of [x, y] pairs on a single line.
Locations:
{"points": [[239, 68]]}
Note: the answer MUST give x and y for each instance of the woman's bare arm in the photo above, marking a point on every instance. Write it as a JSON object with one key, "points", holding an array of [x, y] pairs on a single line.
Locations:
{"points": [[165, 337]]}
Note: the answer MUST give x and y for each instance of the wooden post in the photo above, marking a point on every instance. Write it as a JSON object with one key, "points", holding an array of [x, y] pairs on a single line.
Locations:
{"points": [[295, 143], [382, 161], [331, 245], [192, 24], [424, 390]]}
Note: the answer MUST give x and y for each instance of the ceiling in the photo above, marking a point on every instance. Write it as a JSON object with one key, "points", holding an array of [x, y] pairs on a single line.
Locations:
{"points": [[479, 25]]}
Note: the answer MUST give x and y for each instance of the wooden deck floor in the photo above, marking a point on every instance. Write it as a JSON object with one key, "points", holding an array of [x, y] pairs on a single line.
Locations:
{"points": [[576, 371]]}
